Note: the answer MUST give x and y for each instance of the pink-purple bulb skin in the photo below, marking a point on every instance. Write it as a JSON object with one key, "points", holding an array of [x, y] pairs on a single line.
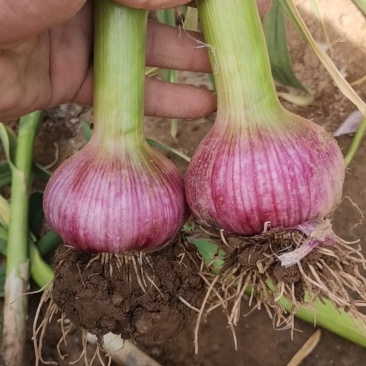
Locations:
{"points": [[116, 202], [284, 173]]}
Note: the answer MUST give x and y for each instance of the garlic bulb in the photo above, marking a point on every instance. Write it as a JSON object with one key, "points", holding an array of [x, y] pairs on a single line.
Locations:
{"points": [[115, 200]]}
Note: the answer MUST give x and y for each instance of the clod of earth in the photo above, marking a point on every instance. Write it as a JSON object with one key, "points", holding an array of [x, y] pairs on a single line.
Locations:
{"points": [[138, 298]]}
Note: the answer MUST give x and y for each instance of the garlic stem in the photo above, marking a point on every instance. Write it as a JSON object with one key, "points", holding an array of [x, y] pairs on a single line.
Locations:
{"points": [[243, 78], [119, 72]]}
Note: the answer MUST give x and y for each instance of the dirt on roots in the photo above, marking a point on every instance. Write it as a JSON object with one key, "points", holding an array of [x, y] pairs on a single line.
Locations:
{"points": [[252, 266], [139, 298]]}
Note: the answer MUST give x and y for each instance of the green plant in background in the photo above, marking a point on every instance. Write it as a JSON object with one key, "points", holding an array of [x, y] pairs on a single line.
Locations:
{"points": [[18, 220], [355, 144], [168, 17], [274, 30], [290, 10], [275, 34]]}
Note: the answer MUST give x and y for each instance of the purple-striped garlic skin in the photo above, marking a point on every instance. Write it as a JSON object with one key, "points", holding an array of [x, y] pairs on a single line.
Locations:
{"points": [[244, 175], [116, 201]]}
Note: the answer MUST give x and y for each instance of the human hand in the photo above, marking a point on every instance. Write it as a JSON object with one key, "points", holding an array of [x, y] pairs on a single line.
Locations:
{"points": [[45, 51]]}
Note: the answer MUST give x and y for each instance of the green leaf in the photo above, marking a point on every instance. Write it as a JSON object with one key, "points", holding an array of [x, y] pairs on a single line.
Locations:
{"points": [[212, 80], [152, 71], [39, 173], [5, 174], [3, 233], [3, 247], [174, 128], [356, 141], [48, 243], [87, 131], [191, 19], [4, 212], [35, 217], [168, 148], [41, 272], [208, 251], [2, 279], [166, 16], [287, 9], [361, 4], [274, 30], [314, 4], [160, 14], [9, 142], [303, 100], [184, 9], [188, 227], [3, 240]]}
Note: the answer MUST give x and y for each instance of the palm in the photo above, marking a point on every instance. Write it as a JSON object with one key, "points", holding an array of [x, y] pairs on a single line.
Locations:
{"points": [[47, 69]]}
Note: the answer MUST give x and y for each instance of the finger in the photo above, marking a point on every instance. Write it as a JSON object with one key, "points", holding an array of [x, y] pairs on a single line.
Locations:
{"points": [[163, 99], [152, 4], [21, 19], [177, 100], [175, 48]]}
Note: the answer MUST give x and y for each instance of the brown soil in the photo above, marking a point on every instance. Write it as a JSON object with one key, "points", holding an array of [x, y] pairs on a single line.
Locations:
{"points": [[140, 302]]}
